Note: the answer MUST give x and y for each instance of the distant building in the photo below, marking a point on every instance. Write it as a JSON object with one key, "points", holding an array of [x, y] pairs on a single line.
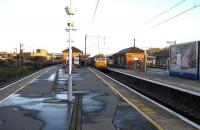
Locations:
{"points": [[76, 54], [162, 60], [40, 53], [151, 61], [130, 58], [26, 55], [55, 57], [158, 57], [6, 55]]}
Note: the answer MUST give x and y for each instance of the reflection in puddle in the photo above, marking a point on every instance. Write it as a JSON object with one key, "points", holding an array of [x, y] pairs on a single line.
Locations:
{"points": [[55, 116], [52, 77], [77, 77], [91, 104], [63, 76], [74, 76], [34, 81], [62, 96], [126, 117], [65, 83]]}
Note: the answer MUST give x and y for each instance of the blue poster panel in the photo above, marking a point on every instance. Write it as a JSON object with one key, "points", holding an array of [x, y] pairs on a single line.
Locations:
{"points": [[199, 58], [184, 60]]}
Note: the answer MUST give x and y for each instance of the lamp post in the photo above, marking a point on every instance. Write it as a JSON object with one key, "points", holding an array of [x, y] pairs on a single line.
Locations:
{"points": [[70, 12], [145, 63], [145, 58], [16, 54], [85, 45]]}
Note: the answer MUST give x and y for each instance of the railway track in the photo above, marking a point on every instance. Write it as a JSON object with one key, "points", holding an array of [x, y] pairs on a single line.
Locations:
{"points": [[15, 86], [181, 104]]}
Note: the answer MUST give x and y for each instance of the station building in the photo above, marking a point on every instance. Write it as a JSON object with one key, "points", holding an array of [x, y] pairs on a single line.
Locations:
{"points": [[40, 53], [55, 57], [6, 55], [77, 55], [130, 58]]}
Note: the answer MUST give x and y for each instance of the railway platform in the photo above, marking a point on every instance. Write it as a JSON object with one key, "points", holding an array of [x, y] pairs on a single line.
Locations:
{"points": [[107, 104], [103, 109], [100, 103], [161, 76]]}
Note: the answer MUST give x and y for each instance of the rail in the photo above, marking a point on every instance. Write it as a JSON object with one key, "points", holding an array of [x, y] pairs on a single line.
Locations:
{"points": [[181, 102]]}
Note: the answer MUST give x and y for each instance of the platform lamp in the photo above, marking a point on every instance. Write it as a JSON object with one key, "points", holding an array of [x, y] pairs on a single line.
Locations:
{"points": [[70, 12]]}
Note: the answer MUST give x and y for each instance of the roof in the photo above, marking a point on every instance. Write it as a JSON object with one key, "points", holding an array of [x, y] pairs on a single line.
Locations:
{"points": [[74, 49], [129, 50]]}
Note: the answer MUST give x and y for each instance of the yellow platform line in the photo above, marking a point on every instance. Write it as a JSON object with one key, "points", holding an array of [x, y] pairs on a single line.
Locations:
{"points": [[129, 102]]}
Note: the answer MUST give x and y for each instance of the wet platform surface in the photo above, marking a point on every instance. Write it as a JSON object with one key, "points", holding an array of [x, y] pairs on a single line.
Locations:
{"points": [[100, 107], [126, 117], [42, 105], [36, 107]]}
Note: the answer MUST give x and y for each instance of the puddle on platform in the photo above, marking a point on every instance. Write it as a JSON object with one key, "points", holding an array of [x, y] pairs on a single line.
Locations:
{"points": [[74, 76], [91, 103], [52, 77], [128, 118], [64, 76], [55, 116], [62, 96], [77, 76], [35, 81]]}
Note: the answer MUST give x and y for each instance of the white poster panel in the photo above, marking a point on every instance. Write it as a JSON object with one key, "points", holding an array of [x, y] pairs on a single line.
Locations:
{"points": [[76, 60], [184, 58]]}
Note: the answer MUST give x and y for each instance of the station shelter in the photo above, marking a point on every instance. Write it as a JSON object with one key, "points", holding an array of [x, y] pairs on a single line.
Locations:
{"points": [[77, 56], [130, 58]]}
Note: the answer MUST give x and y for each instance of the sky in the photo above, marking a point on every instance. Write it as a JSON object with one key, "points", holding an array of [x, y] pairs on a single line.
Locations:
{"points": [[42, 24]]}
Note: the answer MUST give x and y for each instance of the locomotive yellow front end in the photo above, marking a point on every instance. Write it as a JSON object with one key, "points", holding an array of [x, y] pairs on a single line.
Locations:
{"points": [[101, 63]]}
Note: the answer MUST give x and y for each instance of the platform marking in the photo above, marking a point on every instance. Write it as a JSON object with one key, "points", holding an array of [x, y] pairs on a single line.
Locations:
{"points": [[159, 105], [25, 84], [141, 112]]}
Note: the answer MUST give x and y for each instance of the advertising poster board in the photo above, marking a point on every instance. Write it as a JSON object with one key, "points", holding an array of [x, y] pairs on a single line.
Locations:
{"points": [[76, 60], [199, 57], [184, 60]]}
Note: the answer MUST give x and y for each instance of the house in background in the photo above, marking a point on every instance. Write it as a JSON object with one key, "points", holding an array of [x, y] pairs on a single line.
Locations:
{"points": [[158, 57], [55, 57], [77, 55], [6, 55], [130, 58], [39, 55]]}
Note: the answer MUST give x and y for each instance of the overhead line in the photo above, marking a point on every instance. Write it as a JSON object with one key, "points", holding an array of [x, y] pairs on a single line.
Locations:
{"points": [[95, 11], [164, 21], [164, 12], [176, 15]]}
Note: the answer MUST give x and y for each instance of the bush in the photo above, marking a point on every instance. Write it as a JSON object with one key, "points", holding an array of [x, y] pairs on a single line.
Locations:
{"points": [[10, 70], [8, 73]]}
